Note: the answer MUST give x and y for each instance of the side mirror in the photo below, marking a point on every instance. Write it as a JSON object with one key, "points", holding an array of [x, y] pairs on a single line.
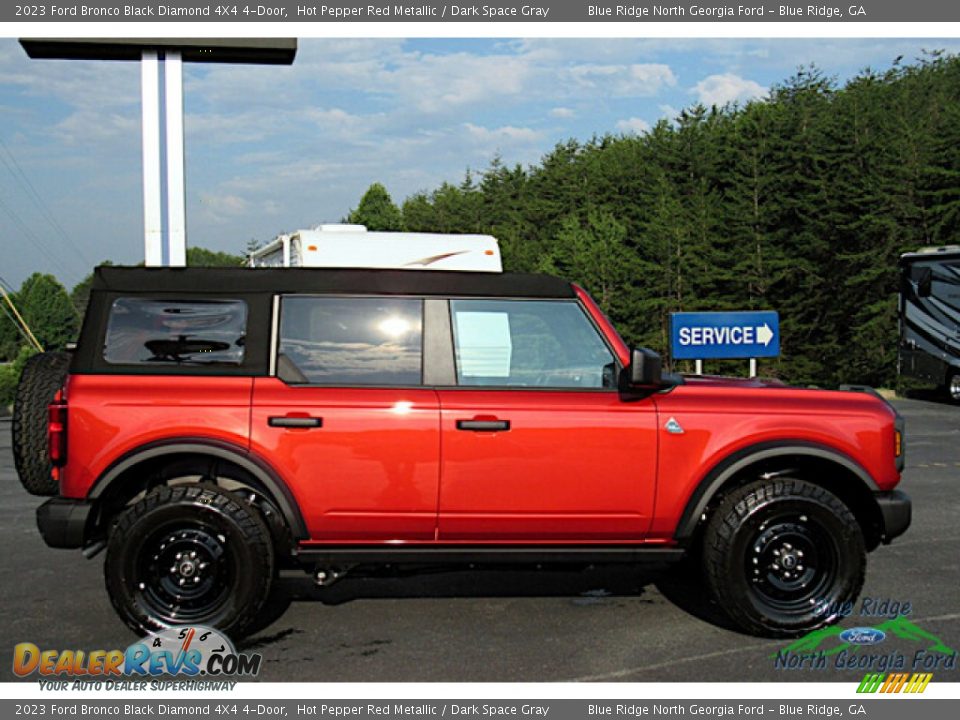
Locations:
{"points": [[645, 368]]}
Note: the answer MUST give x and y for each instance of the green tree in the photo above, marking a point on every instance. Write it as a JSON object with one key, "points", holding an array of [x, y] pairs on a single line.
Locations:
{"points": [[47, 309], [593, 253], [201, 257], [377, 210], [418, 213]]}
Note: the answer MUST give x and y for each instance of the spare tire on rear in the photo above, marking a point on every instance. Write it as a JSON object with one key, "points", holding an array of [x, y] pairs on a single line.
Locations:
{"points": [[42, 376]]}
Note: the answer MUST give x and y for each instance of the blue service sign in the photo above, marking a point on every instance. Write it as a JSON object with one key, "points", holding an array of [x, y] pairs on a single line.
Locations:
{"points": [[714, 335]]}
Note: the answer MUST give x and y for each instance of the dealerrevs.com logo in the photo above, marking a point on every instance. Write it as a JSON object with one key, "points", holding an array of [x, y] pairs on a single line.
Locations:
{"points": [[185, 651]]}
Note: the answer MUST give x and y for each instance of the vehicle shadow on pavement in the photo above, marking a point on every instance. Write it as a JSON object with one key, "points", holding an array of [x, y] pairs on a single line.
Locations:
{"points": [[683, 585], [935, 395], [591, 585], [482, 581]]}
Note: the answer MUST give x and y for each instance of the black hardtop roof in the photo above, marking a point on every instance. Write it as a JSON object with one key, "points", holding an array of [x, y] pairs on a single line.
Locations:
{"points": [[323, 280]]}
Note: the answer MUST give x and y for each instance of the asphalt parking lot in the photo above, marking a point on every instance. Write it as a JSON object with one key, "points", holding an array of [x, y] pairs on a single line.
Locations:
{"points": [[599, 624]]}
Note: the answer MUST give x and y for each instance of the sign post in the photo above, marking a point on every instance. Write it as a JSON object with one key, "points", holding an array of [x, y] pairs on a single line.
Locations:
{"points": [[724, 335]]}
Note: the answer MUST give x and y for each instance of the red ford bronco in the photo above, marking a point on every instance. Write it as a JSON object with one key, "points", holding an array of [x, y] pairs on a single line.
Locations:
{"points": [[216, 425]]}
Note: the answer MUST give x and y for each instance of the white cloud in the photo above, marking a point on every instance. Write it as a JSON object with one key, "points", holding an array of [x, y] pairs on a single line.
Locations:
{"points": [[86, 127], [722, 89], [634, 125], [624, 80], [427, 82], [653, 75], [562, 112], [214, 128], [669, 111], [504, 135], [222, 208], [442, 82]]}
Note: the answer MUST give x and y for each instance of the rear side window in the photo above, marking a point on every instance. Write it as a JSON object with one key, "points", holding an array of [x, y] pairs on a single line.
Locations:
{"points": [[144, 331], [351, 341]]}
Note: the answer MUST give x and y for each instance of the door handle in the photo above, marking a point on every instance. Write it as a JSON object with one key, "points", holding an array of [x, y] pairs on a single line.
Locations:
{"points": [[294, 421], [483, 425]]}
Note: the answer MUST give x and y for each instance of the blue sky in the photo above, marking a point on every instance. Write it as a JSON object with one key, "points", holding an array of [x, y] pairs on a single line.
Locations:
{"points": [[278, 148]]}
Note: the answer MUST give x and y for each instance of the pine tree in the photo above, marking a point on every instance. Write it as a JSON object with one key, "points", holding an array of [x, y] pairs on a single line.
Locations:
{"points": [[377, 210]]}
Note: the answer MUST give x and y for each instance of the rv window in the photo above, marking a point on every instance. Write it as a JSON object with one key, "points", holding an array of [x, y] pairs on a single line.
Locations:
{"points": [[924, 278]]}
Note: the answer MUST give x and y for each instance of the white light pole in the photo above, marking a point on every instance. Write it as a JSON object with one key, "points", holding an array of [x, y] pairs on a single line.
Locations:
{"points": [[164, 188]]}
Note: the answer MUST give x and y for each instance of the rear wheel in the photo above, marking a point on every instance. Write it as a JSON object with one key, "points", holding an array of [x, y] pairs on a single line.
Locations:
{"points": [[189, 555], [953, 387], [42, 376], [783, 556]]}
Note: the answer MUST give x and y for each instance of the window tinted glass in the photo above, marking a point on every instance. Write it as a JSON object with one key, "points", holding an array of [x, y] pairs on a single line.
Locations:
{"points": [[529, 343], [168, 332], [351, 341]]}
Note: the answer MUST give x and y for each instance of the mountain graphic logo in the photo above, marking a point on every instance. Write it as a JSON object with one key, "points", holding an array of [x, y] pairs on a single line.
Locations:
{"points": [[828, 640]]}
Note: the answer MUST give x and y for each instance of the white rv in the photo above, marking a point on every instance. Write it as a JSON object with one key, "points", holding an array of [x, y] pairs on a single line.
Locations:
{"points": [[353, 246]]}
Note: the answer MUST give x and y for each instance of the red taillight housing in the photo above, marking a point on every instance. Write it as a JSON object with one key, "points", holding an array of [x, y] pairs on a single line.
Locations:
{"points": [[57, 430]]}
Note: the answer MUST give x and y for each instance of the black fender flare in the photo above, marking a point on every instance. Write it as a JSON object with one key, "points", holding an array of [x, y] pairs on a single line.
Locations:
{"points": [[223, 450], [711, 483]]}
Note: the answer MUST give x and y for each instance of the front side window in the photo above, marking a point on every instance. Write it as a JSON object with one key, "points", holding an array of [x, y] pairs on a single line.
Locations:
{"points": [[144, 331], [529, 343], [350, 341]]}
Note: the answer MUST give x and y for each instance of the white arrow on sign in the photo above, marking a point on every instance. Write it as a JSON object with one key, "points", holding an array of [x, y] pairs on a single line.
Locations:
{"points": [[764, 334]]}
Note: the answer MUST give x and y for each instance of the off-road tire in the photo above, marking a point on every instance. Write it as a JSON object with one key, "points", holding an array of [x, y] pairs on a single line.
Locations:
{"points": [[752, 564], [42, 376], [143, 567]]}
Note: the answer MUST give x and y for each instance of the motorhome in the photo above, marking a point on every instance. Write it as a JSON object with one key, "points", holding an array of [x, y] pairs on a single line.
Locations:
{"points": [[353, 246], [930, 317]]}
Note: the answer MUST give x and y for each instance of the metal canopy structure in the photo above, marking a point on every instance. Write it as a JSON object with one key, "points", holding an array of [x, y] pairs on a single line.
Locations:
{"points": [[161, 77], [215, 50]]}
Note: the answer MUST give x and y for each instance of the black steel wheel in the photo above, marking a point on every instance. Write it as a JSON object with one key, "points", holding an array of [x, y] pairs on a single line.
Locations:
{"points": [[191, 554], [783, 556]]}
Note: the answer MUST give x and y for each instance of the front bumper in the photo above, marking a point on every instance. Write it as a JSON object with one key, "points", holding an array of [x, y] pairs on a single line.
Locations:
{"points": [[63, 522], [895, 512]]}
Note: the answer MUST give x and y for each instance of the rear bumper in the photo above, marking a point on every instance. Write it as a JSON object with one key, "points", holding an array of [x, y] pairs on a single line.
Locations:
{"points": [[895, 511], [63, 522]]}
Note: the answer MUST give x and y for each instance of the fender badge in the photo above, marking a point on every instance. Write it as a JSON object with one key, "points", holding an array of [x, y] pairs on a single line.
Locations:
{"points": [[674, 427]]}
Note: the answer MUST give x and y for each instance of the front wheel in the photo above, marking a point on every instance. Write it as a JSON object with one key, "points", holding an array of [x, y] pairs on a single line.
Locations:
{"points": [[783, 557], [189, 554]]}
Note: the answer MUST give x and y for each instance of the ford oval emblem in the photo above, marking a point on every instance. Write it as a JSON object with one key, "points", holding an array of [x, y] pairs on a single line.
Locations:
{"points": [[863, 636]]}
